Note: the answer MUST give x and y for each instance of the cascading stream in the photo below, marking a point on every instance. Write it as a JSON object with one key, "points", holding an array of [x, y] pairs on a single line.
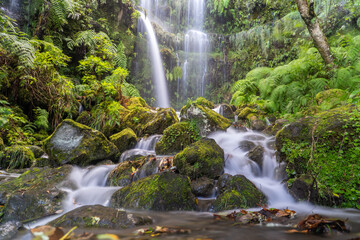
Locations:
{"points": [[266, 177]]}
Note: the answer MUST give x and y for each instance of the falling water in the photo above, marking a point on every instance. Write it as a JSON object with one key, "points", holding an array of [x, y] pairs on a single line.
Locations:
{"points": [[266, 177], [161, 91], [196, 47]]}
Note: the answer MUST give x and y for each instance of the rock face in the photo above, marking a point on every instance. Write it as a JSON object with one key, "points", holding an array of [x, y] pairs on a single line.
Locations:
{"points": [[99, 217], [237, 192], [176, 138], [9, 229], [74, 143], [33, 195], [16, 157], [122, 175], [226, 111], [257, 155], [202, 158], [124, 140], [205, 119], [162, 192]]}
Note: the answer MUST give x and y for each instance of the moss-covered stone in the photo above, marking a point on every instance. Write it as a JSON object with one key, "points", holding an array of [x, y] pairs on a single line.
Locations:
{"points": [[99, 217], [75, 143], [202, 158], [122, 175], [204, 102], [16, 157], [136, 102], [326, 148], [245, 112], [162, 192], [85, 118], [237, 192], [205, 119], [226, 111], [38, 151], [124, 140], [35, 194], [331, 98], [176, 138], [147, 121]]}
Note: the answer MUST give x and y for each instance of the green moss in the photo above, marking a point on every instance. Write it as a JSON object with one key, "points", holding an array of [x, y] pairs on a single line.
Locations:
{"points": [[122, 175], [163, 192], [177, 137], [202, 158], [237, 192], [124, 140], [2, 145], [331, 98], [136, 102], [245, 112], [16, 157], [84, 118]]}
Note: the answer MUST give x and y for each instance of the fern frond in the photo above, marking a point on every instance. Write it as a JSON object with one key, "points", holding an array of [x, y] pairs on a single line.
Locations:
{"points": [[130, 90]]}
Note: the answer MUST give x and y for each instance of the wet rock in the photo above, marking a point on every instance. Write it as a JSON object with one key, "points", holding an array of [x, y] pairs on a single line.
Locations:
{"points": [[122, 175], [150, 167], [147, 121], [202, 158], [162, 192], [35, 194], [245, 112], [303, 189], [257, 155], [258, 125], [205, 118], [176, 138], [203, 187], [237, 192], [246, 145], [124, 140], [38, 151], [9, 229], [226, 111], [100, 217], [74, 143], [16, 156]]}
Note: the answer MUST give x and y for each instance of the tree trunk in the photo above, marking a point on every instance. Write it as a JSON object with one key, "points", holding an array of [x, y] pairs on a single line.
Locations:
{"points": [[307, 13]]}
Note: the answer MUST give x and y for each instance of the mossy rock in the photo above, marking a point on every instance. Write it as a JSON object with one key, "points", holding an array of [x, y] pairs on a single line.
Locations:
{"points": [[35, 194], [226, 111], [38, 151], [124, 140], [74, 143], [163, 119], [204, 102], [122, 175], [245, 112], [331, 98], [176, 138], [237, 192], [205, 119], [326, 145], [85, 118], [16, 156], [99, 217], [136, 102], [161, 192], [203, 187], [203, 158]]}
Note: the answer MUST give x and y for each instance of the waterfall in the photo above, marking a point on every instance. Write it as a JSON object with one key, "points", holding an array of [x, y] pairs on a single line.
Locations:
{"points": [[145, 147], [161, 91], [196, 47]]}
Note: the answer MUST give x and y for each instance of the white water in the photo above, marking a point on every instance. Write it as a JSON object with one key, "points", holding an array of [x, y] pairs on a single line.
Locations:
{"points": [[161, 90], [145, 147], [265, 177]]}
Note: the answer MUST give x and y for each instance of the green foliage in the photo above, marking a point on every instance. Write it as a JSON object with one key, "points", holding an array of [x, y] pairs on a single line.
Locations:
{"points": [[42, 119]]}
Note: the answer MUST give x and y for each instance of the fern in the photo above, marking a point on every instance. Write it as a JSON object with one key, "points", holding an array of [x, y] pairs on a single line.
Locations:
{"points": [[130, 90], [120, 58], [42, 118]]}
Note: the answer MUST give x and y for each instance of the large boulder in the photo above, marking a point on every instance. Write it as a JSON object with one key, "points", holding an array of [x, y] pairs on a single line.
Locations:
{"points": [[205, 118], [122, 175], [74, 143], [147, 121], [16, 156], [257, 155], [162, 192], [9, 229], [35, 194], [237, 192], [202, 158], [176, 138], [203, 187], [326, 148], [225, 110], [124, 140], [99, 217]]}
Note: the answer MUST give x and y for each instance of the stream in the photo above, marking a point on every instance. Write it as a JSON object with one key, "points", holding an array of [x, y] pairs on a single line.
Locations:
{"points": [[88, 187]]}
